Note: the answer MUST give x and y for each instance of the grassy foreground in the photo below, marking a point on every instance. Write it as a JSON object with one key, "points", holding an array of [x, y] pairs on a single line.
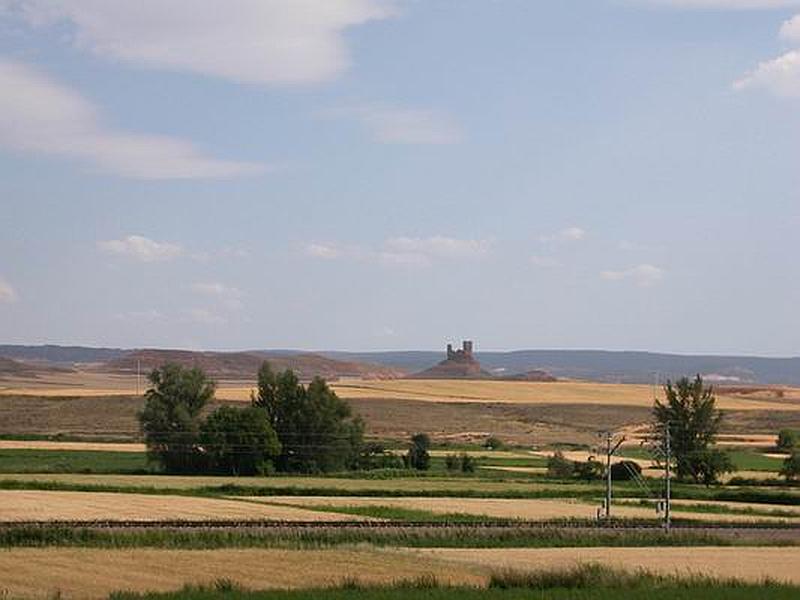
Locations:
{"points": [[582, 582]]}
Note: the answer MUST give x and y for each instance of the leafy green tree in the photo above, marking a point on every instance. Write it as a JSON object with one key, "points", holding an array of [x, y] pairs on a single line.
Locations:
{"points": [[170, 419], [493, 443], [689, 413], [418, 457], [239, 441], [791, 466], [316, 429], [468, 463], [787, 440]]}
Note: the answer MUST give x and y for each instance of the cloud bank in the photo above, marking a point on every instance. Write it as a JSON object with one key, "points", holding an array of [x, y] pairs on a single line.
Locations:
{"points": [[247, 41], [40, 116]]}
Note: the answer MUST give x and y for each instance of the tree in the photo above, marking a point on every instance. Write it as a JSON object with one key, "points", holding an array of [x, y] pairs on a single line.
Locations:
{"points": [[787, 440], [239, 441], [690, 415], [418, 457], [493, 443], [791, 466], [170, 419], [316, 429], [589, 470]]}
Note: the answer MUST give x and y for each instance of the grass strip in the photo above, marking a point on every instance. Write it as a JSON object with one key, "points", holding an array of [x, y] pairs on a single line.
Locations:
{"points": [[323, 537]]}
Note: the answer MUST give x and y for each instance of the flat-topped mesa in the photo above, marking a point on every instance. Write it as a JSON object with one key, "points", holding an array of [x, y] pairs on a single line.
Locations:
{"points": [[459, 364]]}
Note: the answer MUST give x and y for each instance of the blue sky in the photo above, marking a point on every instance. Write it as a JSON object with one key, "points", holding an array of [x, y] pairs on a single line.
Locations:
{"points": [[367, 174]]}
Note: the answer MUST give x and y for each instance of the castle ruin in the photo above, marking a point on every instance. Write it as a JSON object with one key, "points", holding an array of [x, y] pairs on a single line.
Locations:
{"points": [[464, 354]]}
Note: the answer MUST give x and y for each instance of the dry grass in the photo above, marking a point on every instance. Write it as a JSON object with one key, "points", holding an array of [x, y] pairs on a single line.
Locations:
{"points": [[529, 393], [527, 509], [748, 563], [23, 505], [94, 573], [85, 446]]}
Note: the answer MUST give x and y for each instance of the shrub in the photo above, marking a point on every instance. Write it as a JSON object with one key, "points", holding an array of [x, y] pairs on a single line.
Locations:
{"points": [[493, 443], [452, 462], [625, 470], [791, 466], [589, 470], [468, 463], [559, 467], [787, 440]]}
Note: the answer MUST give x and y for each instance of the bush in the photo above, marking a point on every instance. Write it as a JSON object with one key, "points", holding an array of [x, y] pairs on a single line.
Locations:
{"points": [[493, 443], [589, 470], [787, 440], [559, 467], [468, 463], [625, 470], [239, 441], [452, 462], [791, 466]]}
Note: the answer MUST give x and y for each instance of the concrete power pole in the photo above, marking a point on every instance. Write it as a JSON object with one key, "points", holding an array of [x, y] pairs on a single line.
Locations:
{"points": [[667, 478], [611, 448]]}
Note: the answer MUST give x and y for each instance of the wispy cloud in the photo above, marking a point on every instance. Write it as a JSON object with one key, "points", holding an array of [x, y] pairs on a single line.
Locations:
{"points": [[325, 251], [644, 275], [141, 248], [395, 125], [41, 116], [569, 234], [249, 41], [140, 315], [404, 251], [7, 293], [229, 296], [790, 30]]}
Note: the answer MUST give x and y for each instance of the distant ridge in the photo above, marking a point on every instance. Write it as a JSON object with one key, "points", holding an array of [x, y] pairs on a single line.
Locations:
{"points": [[590, 365], [245, 365]]}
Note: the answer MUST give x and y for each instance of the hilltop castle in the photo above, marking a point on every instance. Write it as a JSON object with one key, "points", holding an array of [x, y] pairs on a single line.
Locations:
{"points": [[465, 354], [459, 364]]}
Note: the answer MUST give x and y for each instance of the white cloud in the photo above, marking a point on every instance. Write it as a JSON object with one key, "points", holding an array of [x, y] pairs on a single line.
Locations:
{"points": [[404, 251], [326, 251], [790, 30], [438, 246], [249, 41], [141, 248], [38, 115], [7, 293], [569, 234], [644, 275], [546, 262], [393, 125], [231, 297], [781, 76]]}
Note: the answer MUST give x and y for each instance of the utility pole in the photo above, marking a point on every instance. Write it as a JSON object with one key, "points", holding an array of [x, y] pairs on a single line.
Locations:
{"points": [[611, 448], [667, 485]]}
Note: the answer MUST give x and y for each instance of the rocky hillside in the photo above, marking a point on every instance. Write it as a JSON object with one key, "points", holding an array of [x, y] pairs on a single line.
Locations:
{"points": [[245, 365]]}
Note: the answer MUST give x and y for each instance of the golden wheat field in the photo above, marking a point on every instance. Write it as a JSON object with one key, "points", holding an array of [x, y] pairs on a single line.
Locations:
{"points": [[526, 509], [35, 505], [89, 573], [748, 563]]}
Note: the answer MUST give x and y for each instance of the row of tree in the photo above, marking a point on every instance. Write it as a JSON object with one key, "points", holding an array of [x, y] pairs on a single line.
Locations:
{"points": [[288, 427]]}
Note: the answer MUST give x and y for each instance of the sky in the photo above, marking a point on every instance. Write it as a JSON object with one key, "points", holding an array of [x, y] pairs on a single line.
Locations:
{"points": [[378, 174]]}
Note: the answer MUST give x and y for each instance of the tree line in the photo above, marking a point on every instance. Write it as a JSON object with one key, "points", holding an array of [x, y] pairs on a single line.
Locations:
{"points": [[288, 427]]}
